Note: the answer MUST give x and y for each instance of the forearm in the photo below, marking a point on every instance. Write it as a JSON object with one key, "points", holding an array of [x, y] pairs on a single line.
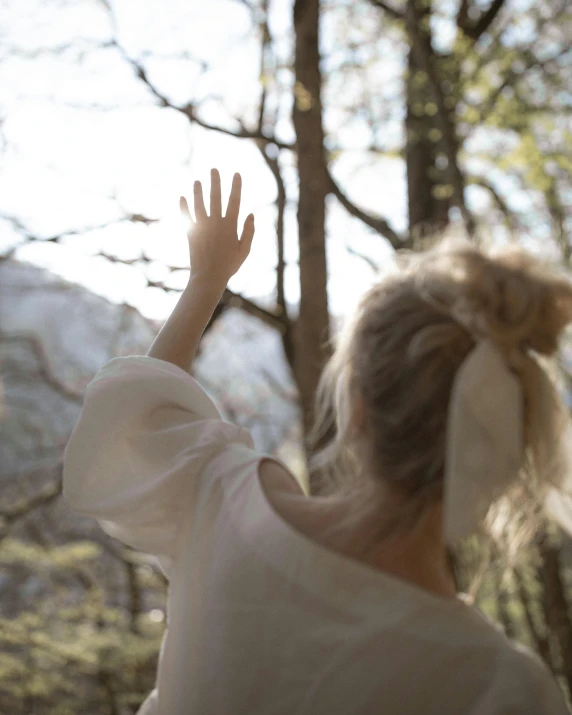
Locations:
{"points": [[216, 253], [179, 338]]}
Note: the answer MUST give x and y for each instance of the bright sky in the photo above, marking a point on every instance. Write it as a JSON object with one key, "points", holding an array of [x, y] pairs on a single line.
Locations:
{"points": [[70, 168], [85, 143]]}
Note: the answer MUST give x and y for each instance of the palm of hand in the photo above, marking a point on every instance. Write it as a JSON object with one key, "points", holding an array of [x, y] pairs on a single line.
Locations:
{"points": [[216, 253]]}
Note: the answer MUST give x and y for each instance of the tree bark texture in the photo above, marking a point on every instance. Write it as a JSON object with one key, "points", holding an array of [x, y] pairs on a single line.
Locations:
{"points": [[432, 88], [428, 214], [556, 610], [312, 329]]}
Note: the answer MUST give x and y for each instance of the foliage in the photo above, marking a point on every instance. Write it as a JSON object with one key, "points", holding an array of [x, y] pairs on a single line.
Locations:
{"points": [[73, 651]]}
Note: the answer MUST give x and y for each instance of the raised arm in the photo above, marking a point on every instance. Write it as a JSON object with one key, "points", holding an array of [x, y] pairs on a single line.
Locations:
{"points": [[216, 253]]}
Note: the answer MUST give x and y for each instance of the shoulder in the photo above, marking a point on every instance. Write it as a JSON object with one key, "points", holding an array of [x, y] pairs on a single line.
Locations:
{"points": [[524, 684], [516, 681], [238, 471]]}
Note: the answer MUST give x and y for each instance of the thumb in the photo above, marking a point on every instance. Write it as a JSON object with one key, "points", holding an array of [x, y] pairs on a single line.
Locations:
{"points": [[246, 238], [184, 207]]}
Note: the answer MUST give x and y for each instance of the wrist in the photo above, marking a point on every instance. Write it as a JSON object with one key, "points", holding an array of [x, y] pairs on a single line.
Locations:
{"points": [[207, 284]]}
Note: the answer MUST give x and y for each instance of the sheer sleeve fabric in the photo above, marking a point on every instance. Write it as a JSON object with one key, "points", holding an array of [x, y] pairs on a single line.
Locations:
{"points": [[136, 455]]}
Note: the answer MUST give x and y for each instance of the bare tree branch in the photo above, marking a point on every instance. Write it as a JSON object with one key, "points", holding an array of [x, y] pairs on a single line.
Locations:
{"points": [[44, 367], [189, 110], [376, 222], [235, 300], [391, 11], [282, 310], [511, 219], [275, 320], [370, 262], [264, 50], [289, 396], [43, 496], [270, 154], [231, 299], [56, 238], [463, 14], [78, 48], [478, 28]]}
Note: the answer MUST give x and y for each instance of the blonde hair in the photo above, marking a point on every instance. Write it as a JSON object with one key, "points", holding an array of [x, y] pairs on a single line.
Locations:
{"points": [[399, 355]]}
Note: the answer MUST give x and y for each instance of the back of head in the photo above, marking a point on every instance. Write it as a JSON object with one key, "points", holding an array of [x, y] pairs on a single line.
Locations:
{"points": [[388, 385]]}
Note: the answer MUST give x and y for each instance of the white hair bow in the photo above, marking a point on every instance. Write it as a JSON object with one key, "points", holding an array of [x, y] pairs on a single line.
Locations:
{"points": [[485, 439]]}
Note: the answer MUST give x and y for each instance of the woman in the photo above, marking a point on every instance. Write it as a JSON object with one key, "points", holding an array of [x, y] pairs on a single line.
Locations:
{"points": [[285, 604]]}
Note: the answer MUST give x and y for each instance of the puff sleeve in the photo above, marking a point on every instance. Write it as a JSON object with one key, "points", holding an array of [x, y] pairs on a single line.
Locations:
{"points": [[135, 458]]}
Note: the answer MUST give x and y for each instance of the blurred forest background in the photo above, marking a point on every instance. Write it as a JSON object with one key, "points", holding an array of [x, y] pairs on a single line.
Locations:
{"points": [[361, 127]]}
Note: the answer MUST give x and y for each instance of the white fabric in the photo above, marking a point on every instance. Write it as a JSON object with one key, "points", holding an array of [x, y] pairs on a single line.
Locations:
{"points": [[485, 442], [484, 448], [262, 620]]}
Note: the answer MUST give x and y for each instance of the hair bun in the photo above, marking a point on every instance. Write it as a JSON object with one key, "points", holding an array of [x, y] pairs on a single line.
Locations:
{"points": [[507, 296], [534, 304]]}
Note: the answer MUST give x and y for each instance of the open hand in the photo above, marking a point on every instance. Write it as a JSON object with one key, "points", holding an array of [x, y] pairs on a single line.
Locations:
{"points": [[216, 253]]}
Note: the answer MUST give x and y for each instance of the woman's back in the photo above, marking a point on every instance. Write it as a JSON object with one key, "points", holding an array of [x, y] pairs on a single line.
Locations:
{"points": [[261, 618], [415, 556], [438, 415], [278, 624]]}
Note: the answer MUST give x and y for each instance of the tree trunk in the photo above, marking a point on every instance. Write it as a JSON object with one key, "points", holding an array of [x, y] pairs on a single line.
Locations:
{"points": [[428, 213], [540, 641], [555, 604], [502, 604], [312, 329], [435, 180]]}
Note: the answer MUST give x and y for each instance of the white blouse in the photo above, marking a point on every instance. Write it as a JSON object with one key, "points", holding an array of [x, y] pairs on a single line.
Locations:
{"points": [[261, 619]]}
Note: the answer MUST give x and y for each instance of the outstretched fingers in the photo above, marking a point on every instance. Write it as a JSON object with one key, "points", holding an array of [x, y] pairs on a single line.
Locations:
{"points": [[200, 210], [233, 207], [184, 206], [216, 206], [246, 237]]}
